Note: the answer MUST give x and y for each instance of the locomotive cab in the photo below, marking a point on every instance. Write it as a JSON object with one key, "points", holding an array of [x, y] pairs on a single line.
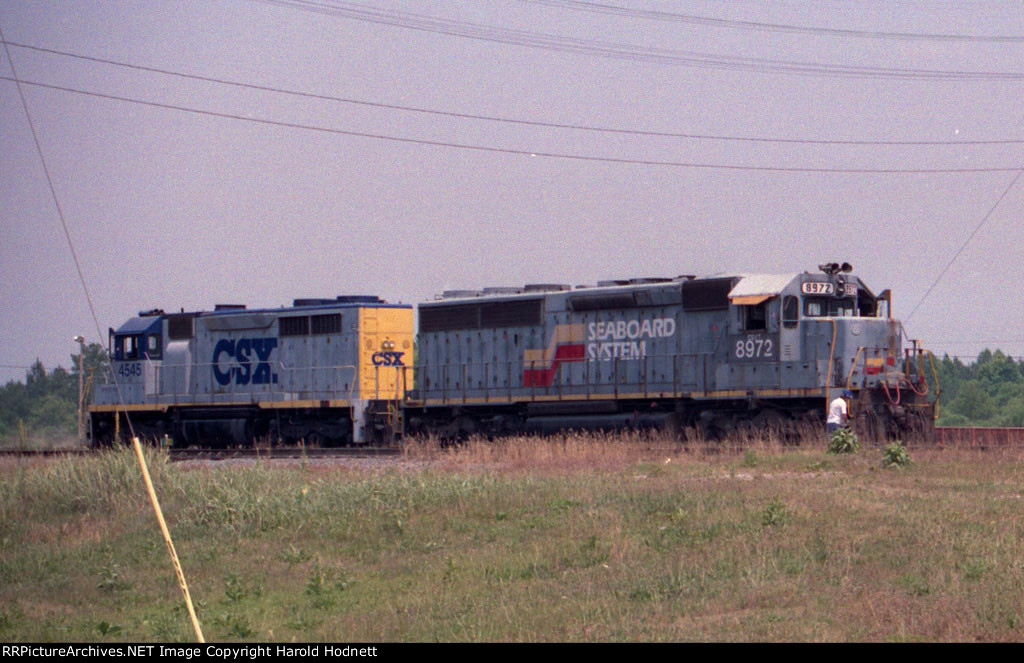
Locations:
{"points": [[829, 330], [136, 348]]}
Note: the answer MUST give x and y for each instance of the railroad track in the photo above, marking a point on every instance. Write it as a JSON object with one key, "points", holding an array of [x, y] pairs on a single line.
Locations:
{"points": [[946, 437], [225, 454], [282, 452]]}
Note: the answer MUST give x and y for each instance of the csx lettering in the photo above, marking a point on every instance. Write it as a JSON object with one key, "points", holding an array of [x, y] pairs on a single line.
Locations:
{"points": [[387, 359], [244, 371]]}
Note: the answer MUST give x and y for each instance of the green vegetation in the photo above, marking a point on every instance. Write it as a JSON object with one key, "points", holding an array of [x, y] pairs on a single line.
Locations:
{"points": [[895, 455], [843, 441], [565, 539], [44, 408], [988, 392]]}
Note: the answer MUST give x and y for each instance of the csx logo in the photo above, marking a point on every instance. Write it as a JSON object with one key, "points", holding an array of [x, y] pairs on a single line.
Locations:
{"points": [[244, 370], [387, 359]]}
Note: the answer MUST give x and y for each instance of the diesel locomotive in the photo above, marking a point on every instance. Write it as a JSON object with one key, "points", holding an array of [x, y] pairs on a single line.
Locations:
{"points": [[323, 371], [713, 354]]}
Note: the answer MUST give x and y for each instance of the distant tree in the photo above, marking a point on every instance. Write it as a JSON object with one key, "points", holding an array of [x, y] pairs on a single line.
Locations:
{"points": [[947, 418], [35, 380], [972, 402], [1007, 392], [951, 372], [14, 404], [53, 411], [1012, 414], [46, 401], [95, 367]]}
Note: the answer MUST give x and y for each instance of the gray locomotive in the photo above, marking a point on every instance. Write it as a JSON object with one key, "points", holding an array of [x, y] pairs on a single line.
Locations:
{"points": [[712, 353], [323, 371]]}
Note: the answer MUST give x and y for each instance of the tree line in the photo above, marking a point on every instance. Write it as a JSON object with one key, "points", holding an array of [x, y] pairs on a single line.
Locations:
{"points": [[46, 403], [986, 392]]}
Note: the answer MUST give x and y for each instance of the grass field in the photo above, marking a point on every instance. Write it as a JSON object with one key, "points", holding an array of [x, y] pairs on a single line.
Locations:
{"points": [[564, 539]]}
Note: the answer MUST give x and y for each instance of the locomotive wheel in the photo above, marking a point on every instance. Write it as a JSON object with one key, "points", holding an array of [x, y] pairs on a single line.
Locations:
{"points": [[875, 428], [770, 425], [716, 429]]}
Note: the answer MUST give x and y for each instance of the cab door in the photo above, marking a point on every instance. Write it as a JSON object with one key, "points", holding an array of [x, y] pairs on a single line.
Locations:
{"points": [[789, 332], [753, 348]]}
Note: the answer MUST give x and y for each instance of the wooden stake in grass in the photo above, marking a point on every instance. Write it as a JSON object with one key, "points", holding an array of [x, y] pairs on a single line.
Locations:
{"points": [[167, 540]]}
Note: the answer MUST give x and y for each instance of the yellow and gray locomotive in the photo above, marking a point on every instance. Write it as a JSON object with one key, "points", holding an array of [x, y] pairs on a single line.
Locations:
{"points": [[324, 371]]}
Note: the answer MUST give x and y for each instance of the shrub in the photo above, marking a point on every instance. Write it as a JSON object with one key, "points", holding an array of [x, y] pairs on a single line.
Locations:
{"points": [[774, 514], [843, 441], [895, 455]]}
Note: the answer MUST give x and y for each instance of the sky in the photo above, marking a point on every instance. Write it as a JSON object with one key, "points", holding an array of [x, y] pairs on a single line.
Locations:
{"points": [[254, 152]]}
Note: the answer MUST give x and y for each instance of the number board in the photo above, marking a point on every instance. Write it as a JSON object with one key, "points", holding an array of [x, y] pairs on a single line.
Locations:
{"points": [[754, 347], [128, 371], [817, 288]]}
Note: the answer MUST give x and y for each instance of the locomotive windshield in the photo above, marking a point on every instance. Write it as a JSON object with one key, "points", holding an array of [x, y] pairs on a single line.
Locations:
{"points": [[816, 307], [126, 347]]}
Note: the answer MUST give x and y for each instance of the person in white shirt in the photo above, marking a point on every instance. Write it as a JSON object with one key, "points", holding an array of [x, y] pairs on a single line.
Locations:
{"points": [[838, 412]]}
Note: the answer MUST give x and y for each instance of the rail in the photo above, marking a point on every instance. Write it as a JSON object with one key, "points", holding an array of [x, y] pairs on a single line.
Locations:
{"points": [[946, 437]]}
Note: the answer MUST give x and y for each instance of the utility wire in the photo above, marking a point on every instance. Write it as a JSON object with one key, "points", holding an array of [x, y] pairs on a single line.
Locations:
{"points": [[522, 152], [628, 52], [984, 219], [493, 118], [120, 396], [56, 202], [966, 342], [692, 19]]}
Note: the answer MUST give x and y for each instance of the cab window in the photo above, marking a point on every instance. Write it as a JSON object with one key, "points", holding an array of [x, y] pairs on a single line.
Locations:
{"points": [[790, 312], [841, 308], [755, 318], [127, 348], [153, 346], [835, 308]]}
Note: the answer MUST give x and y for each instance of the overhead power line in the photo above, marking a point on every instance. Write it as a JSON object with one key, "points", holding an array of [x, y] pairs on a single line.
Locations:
{"points": [[692, 19], [963, 246], [964, 341], [628, 52], [49, 181], [516, 151], [509, 120]]}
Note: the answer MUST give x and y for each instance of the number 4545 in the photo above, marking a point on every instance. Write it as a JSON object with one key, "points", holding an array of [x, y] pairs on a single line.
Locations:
{"points": [[129, 369]]}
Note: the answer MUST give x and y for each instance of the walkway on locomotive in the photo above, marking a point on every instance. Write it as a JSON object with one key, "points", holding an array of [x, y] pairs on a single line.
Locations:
{"points": [[767, 335], [317, 353]]}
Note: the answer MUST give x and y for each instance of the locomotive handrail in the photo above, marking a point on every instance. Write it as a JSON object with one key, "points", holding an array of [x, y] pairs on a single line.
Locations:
{"points": [[454, 385], [312, 369], [189, 396], [853, 366]]}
